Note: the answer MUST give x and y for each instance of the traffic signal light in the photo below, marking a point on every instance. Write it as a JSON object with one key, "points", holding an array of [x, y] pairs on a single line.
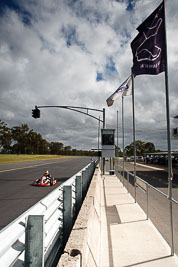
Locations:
{"points": [[36, 113]]}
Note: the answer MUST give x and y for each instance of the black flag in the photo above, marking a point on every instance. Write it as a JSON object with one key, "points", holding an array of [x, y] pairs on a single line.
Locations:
{"points": [[148, 47]]}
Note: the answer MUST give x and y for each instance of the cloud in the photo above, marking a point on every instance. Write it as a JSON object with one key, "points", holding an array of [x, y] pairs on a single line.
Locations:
{"points": [[77, 53]]}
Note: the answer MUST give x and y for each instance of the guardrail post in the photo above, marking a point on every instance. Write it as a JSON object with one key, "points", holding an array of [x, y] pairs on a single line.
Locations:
{"points": [[83, 183], [123, 173], [87, 177], [147, 193], [89, 174], [89, 170], [34, 241], [92, 167], [119, 171], [67, 212], [128, 181], [78, 192]]}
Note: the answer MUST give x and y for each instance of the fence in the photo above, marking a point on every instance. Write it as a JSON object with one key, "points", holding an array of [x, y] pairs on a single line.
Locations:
{"points": [[38, 235], [133, 183]]}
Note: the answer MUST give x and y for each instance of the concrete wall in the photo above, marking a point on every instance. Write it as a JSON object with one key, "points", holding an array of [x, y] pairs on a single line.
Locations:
{"points": [[83, 246]]}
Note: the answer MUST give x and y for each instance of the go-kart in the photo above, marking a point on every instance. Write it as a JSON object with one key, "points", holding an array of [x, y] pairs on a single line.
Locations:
{"points": [[44, 181]]}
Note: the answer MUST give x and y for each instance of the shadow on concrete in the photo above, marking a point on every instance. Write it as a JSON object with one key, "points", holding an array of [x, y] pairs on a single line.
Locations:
{"points": [[110, 252], [144, 262], [134, 221], [112, 215]]}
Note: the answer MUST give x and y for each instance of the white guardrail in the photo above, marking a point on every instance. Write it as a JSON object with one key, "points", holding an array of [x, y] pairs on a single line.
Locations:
{"points": [[38, 235], [139, 183]]}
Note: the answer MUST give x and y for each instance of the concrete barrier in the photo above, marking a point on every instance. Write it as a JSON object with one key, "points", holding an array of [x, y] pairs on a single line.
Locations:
{"points": [[83, 246], [112, 230]]}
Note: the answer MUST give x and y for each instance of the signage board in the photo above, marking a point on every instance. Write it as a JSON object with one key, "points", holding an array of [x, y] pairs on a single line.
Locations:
{"points": [[107, 141]]}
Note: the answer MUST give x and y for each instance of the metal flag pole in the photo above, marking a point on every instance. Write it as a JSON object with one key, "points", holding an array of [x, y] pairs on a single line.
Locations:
{"points": [[98, 135], [117, 155], [104, 122], [170, 173], [123, 134], [117, 134], [134, 143]]}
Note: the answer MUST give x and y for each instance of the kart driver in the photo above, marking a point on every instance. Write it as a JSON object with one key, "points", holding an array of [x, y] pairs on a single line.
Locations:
{"points": [[48, 176]]}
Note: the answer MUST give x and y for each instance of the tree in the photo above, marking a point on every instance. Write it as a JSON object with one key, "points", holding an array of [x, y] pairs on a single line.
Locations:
{"points": [[5, 137], [118, 152], [38, 145], [149, 147], [20, 136], [22, 140], [56, 148], [67, 150], [141, 148], [44, 147], [34, 141], [129, 150]]}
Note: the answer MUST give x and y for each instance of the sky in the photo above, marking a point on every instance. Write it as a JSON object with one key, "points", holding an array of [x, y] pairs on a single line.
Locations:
{"points": [[77, 53]]}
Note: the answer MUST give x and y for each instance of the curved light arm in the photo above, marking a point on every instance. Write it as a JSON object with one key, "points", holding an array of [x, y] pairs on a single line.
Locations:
{"points": [[79, 109]]}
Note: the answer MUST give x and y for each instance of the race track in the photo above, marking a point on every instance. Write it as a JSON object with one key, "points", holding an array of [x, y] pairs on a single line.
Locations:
{"points": [[16, 191]]}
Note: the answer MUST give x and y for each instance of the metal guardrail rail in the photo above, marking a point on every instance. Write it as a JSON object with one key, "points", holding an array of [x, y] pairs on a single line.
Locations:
{"points": [[37, 236], [144, 186]]}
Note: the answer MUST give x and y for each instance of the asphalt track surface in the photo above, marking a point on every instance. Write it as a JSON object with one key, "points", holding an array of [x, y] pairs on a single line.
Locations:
{"points": [[16, 191], [159, 211]]}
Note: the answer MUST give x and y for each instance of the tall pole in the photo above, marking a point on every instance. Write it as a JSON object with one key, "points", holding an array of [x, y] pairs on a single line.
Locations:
{"points": [[117, 135], [98, 134], [123, 133], [104, 119], [134, 143], [170, 174], [104, 128]]}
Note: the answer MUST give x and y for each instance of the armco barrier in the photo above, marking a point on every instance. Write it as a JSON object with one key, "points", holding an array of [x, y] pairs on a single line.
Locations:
{"points": [[23, 244], [84, 244]]}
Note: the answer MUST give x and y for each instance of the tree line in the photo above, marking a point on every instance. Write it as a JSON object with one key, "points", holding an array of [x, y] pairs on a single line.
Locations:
{"points": [[22, 140], [141, 148]]}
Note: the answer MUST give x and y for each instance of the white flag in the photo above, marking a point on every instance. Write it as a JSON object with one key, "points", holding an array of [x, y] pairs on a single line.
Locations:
{"points": [[124, 90]]}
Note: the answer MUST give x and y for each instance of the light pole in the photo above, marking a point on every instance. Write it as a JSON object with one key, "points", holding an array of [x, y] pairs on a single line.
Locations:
{"points": [[83, 110]]}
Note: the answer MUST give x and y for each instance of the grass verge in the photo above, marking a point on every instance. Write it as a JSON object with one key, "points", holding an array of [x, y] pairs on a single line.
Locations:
{"points": [[8, 158]]}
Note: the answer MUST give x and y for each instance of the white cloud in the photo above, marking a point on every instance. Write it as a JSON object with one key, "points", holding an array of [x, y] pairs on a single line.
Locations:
{"points": [[54, 60]]}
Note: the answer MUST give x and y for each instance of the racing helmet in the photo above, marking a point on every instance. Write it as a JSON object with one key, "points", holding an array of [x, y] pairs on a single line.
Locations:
{"points": [[46, 172]]}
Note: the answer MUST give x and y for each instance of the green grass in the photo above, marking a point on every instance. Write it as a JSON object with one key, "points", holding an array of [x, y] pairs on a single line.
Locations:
{"points": [[8, 158]]}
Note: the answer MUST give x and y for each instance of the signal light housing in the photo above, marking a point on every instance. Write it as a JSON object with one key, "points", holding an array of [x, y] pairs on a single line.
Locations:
{"points": [[36, 113]]}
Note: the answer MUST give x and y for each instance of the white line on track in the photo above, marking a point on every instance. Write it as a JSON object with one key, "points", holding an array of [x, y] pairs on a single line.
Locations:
{"points": [[28, 167]]}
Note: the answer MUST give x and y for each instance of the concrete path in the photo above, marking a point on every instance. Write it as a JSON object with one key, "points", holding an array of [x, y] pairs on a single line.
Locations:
{"points": [[127, 238]]}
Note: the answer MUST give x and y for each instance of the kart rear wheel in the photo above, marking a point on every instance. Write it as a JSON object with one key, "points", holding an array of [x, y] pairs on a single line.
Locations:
{"points": [[52, 181]]}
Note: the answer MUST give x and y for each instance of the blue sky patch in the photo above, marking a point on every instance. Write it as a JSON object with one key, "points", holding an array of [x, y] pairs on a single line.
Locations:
{"points": [[110, 67], [130, 4], [99, 76], [109, 71], [16, 5], [71, 36]]}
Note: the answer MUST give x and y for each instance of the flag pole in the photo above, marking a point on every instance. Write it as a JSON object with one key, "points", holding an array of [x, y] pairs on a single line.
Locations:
{"points": [[117, 134], [123, 134], [134, 143], [170, 173], [98, 135], [117, 155]]}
